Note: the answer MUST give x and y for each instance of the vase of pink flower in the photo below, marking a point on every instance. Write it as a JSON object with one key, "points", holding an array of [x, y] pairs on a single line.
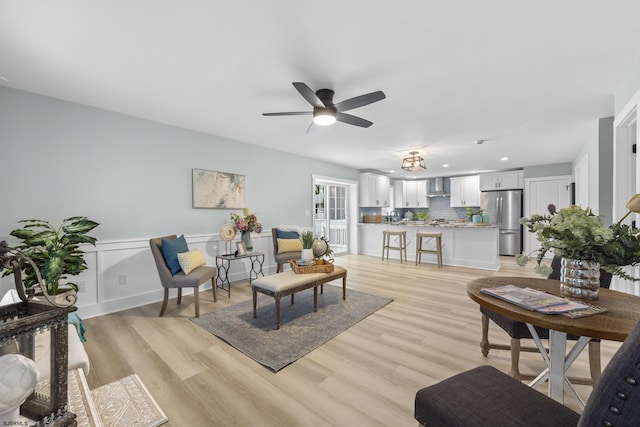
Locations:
{"points": [[245, 224]]}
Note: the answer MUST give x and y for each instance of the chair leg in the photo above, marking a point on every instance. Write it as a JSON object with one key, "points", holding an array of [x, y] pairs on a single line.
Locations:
{"points": [[213, 287], [484, 342], [164, 302], [515, 359], [197, 298], [279, 268], [179, 296], [404, 238], [594, 361]]}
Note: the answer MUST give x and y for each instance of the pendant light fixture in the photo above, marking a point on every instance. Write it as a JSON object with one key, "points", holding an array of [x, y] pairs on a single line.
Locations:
{"points": [[413, 162]]}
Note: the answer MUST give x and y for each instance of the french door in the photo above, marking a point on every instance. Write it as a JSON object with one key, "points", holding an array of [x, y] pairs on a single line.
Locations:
{"points": [[330, 215]]}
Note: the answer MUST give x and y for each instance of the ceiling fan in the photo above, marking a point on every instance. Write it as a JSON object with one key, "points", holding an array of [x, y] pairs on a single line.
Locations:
{"points": [[326, 113]]}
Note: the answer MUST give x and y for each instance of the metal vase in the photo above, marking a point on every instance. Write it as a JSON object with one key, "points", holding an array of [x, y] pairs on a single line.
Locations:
{"points": [[580, 278]]}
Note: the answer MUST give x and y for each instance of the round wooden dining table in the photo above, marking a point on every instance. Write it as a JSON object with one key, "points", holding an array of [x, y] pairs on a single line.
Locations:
{"points": [[623, 311]]}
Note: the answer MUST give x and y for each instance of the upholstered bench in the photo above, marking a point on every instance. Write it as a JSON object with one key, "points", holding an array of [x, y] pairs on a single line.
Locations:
{"points": [[288, 283]]}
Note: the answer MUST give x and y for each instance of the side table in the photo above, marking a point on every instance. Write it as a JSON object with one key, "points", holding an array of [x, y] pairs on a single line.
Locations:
{"points": [[223, 262]]}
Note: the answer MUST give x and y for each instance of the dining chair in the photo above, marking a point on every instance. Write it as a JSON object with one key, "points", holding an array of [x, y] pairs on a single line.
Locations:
{"points": [[484, 396], [518, 331]]}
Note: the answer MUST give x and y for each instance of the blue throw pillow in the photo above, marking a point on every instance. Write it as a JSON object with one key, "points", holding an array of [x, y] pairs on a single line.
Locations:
{"points": [[171, 249], [281, 234]]}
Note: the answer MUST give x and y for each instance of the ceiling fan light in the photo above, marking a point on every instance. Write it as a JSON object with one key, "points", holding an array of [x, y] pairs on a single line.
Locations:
{"points": [[324, 119], [413, 162]]}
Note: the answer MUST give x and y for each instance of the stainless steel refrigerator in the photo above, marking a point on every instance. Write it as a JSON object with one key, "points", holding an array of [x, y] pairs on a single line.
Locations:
{"points": [[505, 210]]}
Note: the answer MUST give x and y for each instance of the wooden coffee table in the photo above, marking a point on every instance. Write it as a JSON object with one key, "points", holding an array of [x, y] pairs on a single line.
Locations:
{"points": [[615, 325]]}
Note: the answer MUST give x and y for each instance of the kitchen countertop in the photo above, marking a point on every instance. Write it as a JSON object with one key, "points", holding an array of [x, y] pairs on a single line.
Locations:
{"points": [[443, 225]]}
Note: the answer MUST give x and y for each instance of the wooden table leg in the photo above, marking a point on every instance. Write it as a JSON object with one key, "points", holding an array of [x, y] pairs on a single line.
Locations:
{"points": [[255, 302]]}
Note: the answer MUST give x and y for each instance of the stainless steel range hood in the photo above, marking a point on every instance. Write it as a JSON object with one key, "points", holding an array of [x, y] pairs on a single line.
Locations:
{"points": [[437, 187]]}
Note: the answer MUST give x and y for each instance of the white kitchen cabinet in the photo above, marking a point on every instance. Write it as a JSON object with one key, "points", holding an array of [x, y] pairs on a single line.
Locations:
{"points": [[465, 191], [374, 190], [416, 194], [398, 194], [410, 194], [509, 180]]}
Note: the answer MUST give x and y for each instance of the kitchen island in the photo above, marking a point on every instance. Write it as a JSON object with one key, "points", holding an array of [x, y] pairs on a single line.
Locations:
{"points": [[463, 245]]}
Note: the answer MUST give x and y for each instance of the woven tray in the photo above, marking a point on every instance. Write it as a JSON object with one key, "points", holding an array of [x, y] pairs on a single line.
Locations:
{"points": [[302, 269]]}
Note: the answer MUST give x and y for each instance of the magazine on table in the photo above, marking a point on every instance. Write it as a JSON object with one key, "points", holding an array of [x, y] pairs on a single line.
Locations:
{"points": [[592, 309], [535, 300]]}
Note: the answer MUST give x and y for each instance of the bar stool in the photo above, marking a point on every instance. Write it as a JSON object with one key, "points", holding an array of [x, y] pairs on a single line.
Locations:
{"points": [[429, 235], [402, 243]]}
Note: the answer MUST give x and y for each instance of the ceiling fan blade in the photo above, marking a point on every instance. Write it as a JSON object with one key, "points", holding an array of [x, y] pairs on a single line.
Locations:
{"points": [[359, 101], [293, 113], [308, 94], [353, 120], [313, 127]]}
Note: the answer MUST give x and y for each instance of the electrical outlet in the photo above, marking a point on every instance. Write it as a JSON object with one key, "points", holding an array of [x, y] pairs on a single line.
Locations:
{"points": [[122, 279], [82, 286]]}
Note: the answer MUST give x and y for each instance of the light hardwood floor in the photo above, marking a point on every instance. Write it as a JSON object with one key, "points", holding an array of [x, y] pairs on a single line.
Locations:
{"points": [[366, 376]]}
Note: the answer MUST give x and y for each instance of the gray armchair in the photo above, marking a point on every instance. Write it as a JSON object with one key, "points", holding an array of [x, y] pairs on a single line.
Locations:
{"points": [[280, 256], [485, 396], [180, 280]]}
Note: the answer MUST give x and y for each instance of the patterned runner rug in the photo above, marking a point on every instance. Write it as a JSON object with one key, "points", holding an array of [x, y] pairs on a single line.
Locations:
{"points": [[301, 330]]}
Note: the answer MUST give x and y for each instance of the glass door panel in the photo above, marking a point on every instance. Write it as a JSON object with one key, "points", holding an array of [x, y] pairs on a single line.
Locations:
{"points": [[330, 219]]}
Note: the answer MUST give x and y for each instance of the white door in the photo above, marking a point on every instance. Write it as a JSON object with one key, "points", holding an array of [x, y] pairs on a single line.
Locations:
{"points": [[330, 218], [539, 194]]}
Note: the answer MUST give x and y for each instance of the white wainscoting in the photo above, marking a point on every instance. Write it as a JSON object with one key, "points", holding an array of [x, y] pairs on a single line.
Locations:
{"points": [[122, 274]]}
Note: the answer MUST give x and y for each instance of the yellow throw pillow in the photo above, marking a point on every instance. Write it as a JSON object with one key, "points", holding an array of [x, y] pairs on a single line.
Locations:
{"points": [[191, 260], [289, 245]]}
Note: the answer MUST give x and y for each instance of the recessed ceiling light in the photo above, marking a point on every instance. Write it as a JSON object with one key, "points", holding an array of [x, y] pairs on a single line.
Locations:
{"points": [[391, 171], [504, 159], [445, 166]]}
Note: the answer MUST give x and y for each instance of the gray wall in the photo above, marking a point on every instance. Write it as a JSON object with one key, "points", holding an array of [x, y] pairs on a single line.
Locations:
{"points": [[605, 165], [555, 169], [60, 159], [627, 88]]}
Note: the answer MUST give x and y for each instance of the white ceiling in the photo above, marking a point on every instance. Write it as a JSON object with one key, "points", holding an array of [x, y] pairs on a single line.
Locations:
{"points": [[532, 78]]}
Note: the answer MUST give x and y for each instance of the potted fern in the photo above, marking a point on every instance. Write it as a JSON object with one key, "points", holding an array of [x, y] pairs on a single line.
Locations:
{"points": [[307, 246]]}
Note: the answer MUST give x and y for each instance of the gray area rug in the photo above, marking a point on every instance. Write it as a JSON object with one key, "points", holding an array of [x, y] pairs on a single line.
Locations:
{"points": [[301, 330]]}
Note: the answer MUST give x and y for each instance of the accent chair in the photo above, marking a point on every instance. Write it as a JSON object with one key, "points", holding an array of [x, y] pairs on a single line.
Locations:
{"points": [[289, 248], [178, 279]]}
